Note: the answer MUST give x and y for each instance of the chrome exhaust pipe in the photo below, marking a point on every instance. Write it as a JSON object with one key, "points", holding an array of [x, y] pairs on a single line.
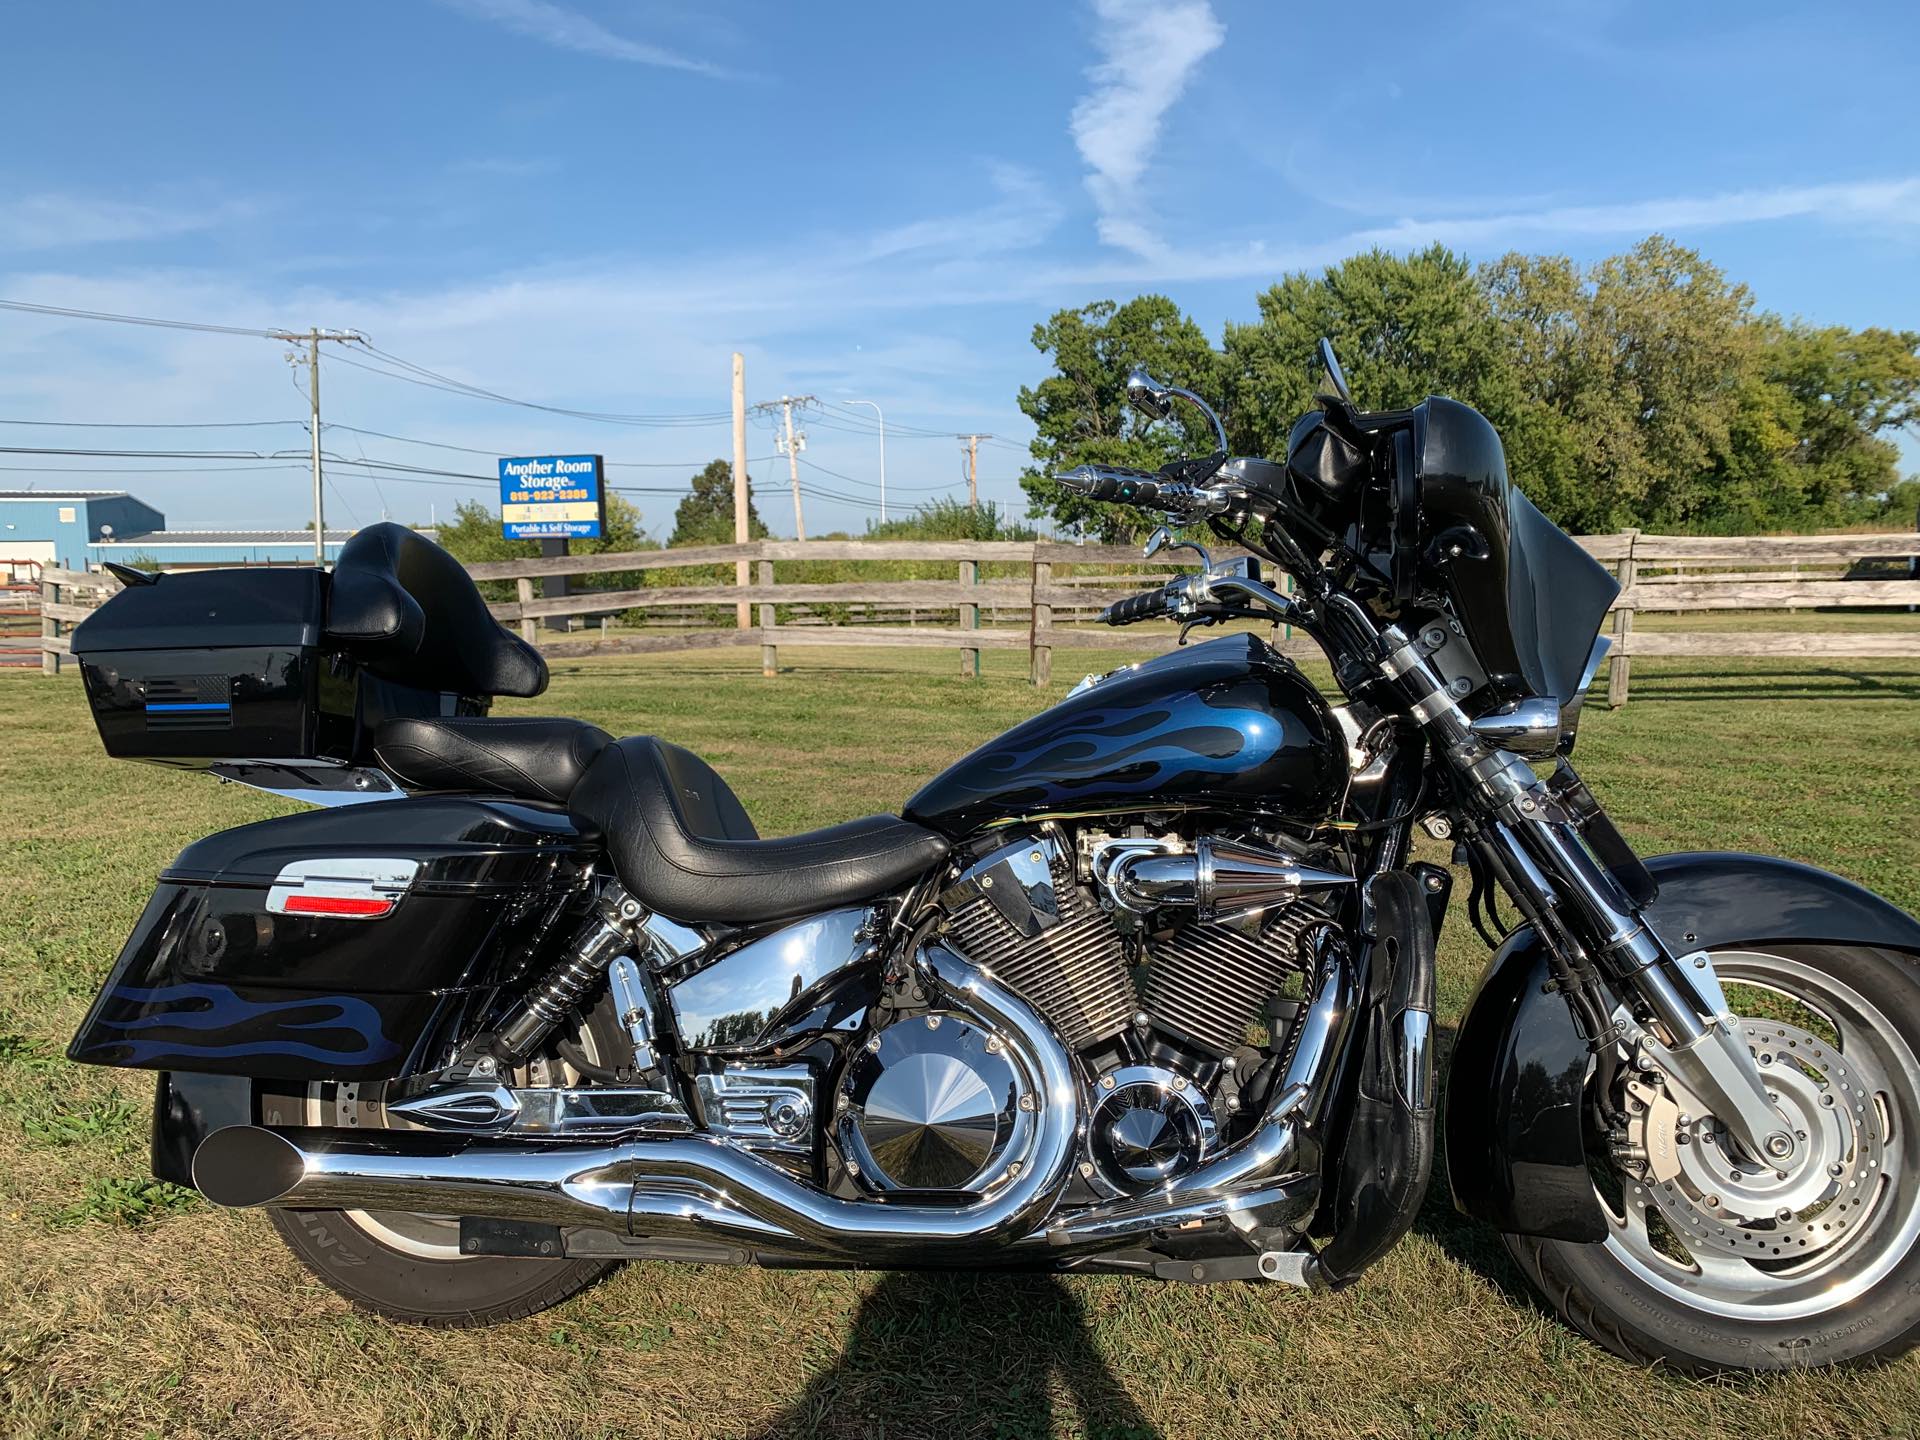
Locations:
{"points": [[667, 1185]]}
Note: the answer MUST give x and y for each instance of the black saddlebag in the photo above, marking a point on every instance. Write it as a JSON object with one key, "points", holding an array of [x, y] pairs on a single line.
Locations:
{"points": [[336, 944]]}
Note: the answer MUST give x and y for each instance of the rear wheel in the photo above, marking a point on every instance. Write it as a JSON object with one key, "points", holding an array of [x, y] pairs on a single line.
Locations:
{"points": [[409, 1266], [1715, 1262]]}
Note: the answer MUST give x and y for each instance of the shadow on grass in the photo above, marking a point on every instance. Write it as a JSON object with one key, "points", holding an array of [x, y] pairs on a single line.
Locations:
{"points": [[940, 1355]]}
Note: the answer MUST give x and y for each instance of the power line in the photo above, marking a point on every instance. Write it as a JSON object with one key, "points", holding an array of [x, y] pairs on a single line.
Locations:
{"points": [[434, 380], [854, 480], [199, 470], [475, 450], [156, 424], [69, 313]]}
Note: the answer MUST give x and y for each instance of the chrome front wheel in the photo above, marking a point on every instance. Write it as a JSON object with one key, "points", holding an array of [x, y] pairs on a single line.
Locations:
{"points": [[1719, 1260]]}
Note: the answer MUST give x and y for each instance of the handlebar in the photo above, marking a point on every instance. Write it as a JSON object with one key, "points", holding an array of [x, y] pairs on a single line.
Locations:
{"points": [[1148, 489], [1193, 595], [1150, 606]]}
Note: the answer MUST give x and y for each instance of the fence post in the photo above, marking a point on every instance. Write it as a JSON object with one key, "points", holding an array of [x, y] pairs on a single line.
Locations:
{"points": [[529, 628], [1040, 653], [969, 620], [49, 628], [769, 652], [1621, 665]]}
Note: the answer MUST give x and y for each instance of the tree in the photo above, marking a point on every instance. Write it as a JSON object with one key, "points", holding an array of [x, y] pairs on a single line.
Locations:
{"points": [[705, 517], [1644, 390], [1403, 327], [1081, 410], [1644, 363]]}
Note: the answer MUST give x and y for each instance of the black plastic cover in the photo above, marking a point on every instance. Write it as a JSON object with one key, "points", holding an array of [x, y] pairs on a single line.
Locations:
{"points": [[211, 981], [1533, 605], [1385, 1148]]}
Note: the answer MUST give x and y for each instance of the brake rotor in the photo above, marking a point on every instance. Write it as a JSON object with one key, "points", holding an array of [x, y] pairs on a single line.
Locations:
{"points": [[1721, 1200]]}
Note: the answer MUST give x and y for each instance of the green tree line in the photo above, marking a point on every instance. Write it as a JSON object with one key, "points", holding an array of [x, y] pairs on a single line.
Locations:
{"points": [[1645, 390]]}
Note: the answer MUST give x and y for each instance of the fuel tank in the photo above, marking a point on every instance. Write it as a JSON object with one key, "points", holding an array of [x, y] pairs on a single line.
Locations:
{"points": [[1226, 723]]}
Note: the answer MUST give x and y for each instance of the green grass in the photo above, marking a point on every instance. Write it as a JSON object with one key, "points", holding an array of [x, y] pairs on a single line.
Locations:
{"points": [[132, 1309]]}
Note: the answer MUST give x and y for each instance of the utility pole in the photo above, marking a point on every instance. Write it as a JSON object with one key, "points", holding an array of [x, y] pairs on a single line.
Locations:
{"points": [[743, 569], [883, 453], [791, 444], [311, 339], [973, 467]]}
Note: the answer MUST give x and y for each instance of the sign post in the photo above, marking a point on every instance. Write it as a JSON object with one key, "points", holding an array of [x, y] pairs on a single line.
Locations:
{"points": [[553, 499]]}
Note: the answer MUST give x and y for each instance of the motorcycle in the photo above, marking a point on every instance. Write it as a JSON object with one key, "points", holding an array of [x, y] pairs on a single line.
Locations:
{"points": [[1145, 986]]}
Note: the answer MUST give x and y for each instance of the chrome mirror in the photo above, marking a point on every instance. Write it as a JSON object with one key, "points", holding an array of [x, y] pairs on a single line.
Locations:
{"points": [[1156, 542], [1148, 395]]}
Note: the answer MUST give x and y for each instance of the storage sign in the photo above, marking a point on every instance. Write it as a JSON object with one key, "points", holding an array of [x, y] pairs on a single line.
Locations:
{"points": [[552, 497]]}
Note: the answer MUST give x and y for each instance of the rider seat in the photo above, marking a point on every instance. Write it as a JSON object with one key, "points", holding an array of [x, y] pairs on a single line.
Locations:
{"points": [[530, 759], [682, 843]]}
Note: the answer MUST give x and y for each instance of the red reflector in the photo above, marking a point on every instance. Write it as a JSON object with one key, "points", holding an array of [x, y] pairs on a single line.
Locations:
{"points": [[363, 907]]}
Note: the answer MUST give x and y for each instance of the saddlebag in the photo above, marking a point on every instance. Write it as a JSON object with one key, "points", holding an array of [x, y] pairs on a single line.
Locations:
{"points": [[339, 944]]}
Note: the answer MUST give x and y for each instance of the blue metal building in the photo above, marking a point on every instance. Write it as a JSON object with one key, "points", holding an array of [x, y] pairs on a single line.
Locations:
{"points": [[56, 527]]}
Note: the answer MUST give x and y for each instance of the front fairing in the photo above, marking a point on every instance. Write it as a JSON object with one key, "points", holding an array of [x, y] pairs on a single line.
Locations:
{"points": [[1529, 597]]}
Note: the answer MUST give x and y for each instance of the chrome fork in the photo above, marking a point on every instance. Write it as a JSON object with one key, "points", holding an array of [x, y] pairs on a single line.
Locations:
{"points": [[1573, 896]]}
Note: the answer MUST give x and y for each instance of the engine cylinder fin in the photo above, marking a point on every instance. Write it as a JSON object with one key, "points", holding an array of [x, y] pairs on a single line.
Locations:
{"points": [[1074, 972], [1208, 982]]}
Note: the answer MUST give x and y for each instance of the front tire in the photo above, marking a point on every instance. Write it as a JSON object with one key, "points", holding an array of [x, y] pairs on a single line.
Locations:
{"points": [[1727, 1265]]}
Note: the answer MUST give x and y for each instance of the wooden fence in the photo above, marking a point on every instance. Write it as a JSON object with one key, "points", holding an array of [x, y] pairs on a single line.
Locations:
{"points": [[1039, 591]]}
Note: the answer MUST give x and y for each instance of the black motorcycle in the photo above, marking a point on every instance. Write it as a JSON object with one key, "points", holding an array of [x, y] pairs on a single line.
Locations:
{"points": [[1144, 986]]}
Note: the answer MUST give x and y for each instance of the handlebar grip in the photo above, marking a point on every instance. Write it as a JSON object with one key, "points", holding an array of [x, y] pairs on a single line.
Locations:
{"points": [[1112, 482], [1149, 606]]}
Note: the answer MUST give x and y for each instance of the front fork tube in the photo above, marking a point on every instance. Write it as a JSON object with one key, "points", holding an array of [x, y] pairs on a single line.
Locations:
{"points": [[1697, 1037], [1572, 898]]}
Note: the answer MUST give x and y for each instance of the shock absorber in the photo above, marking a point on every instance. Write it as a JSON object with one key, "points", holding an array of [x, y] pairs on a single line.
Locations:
{"points": [[610, 936]]}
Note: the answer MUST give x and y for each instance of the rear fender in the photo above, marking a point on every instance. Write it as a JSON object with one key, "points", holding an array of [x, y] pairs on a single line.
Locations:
{"points": [[1516, 1142]]}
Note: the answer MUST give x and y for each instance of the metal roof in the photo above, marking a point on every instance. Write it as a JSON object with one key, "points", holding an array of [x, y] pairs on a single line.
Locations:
{"points": [[220, 537], [63, 494]]}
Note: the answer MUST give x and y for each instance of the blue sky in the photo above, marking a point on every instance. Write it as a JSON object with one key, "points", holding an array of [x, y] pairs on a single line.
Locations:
{"points": [[590, 204]]}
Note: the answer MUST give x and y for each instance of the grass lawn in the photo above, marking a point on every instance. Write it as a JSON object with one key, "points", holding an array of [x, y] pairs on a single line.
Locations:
{"points": [[132, 1309]]}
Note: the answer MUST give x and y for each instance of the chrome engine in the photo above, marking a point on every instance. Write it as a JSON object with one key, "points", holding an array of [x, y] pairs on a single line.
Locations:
{"points": [[1152, 958]]}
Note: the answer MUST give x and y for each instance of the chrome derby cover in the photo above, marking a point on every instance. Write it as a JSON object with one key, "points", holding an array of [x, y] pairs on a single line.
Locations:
{"points": [[935, 1102]]}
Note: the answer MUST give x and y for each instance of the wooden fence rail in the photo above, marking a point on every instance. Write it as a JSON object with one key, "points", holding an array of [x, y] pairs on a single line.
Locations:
{"points": [[1056, 583]]}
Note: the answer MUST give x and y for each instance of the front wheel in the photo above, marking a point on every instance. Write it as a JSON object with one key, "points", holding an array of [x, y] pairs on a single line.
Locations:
{"points": [[1715, 1262]]}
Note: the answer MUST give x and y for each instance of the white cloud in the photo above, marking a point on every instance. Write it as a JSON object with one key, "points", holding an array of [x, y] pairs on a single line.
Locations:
{"points": [[1149, 49], [566, 29], [1871, 202], [1023, 214], [55, 221]]}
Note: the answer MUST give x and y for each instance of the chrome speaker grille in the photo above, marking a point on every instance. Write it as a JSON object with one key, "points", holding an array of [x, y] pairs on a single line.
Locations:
{"points": [[1208, 982], [1018, 913]]}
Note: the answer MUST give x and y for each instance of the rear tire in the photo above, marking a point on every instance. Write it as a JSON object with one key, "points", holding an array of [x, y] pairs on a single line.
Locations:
{"points": [[463, 1290], [1704, 1293], [409, 1267]]}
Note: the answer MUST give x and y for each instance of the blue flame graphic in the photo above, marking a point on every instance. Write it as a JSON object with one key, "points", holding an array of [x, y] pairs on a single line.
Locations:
{"points": [[217, 1008]]}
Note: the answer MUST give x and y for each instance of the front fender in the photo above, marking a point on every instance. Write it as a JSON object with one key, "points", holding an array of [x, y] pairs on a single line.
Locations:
{"points": [[1516, 1142]]}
